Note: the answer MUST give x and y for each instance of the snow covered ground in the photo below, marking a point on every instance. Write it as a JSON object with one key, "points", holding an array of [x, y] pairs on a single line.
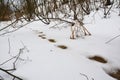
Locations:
{"points": [[43, 60]]}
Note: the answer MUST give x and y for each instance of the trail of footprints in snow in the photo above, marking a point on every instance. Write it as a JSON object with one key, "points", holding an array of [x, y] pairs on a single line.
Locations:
{"points": [[43, 36], [115, 74]]}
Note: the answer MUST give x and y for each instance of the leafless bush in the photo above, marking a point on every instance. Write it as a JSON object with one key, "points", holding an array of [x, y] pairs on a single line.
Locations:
{"points": [[51, 10]]}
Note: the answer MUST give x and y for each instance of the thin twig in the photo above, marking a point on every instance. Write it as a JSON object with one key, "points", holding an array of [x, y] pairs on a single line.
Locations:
{"points": [[84, 76], [8, 60], [17, 57], [24, 46], [9, 46], [8, 25], [14, 63], [112, 39], [10, 74], [19, 27], [106, 13]]}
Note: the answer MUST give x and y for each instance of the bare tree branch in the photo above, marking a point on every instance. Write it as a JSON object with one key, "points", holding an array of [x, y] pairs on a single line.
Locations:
{"points": [[10, 74]]}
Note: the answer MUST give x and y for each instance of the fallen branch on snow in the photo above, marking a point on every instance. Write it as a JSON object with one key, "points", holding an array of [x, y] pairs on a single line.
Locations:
{"points": [[112, 39], [14, 65]]}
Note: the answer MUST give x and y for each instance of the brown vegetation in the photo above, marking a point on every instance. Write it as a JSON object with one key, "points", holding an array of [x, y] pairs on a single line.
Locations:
{"points": [[51, 40], [5, 12], [98, 58], [115, 74], [62, 46]]}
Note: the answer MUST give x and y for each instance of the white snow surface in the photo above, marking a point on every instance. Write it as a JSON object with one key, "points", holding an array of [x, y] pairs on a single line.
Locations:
{"points": [[43, 60]]}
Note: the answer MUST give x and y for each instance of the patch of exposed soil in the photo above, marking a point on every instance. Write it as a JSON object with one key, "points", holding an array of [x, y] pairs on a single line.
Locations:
{"points": [[42, 36], [62, 46], [98, 59], [115, 75], [52, 40]]}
